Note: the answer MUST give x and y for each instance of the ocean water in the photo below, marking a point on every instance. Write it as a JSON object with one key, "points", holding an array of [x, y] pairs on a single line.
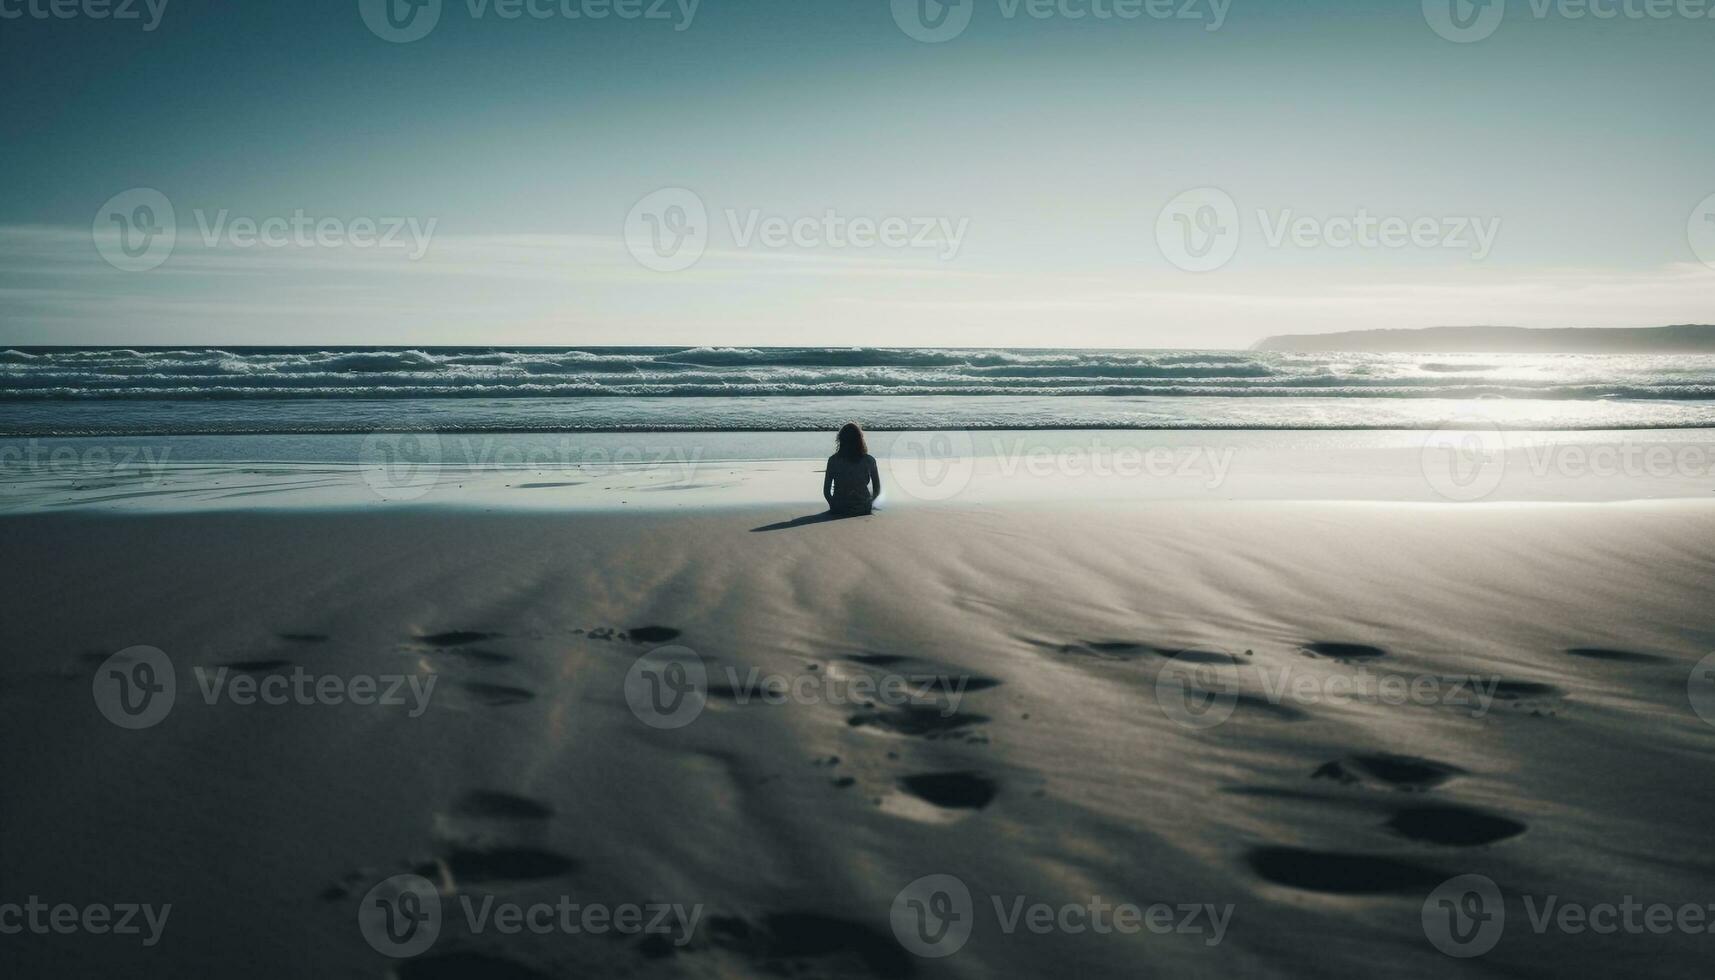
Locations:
{"points": [[149, 391]]}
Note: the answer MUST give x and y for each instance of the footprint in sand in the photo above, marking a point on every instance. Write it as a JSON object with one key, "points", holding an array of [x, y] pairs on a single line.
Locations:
{"points": [[808, 943], [1133, 649], [496, 695], [1532, 695], [1343, 652], [456, 638], [481, 865], [257, 666], [1617, 656], [952, 790], [651, 634], [486, 658], [636, 635], [930, 677], [920, 721], [1454, 826], [468, 863], [1408, 773], [1335, 873], [1526, 691], [460, 965], [1262, 705], [493, 804]]}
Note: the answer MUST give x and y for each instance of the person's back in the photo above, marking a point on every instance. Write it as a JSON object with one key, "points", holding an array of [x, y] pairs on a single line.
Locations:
{"points": [[852, 481]]}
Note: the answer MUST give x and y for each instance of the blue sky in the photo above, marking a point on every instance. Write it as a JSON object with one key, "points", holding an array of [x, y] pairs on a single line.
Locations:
{"points": [[1554, 170]]}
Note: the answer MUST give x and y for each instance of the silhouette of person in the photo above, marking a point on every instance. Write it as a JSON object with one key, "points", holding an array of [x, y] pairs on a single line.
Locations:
{"points": [[851, 475]]}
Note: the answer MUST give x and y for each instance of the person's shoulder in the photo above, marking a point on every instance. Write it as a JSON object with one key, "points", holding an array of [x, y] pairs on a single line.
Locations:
{"points": [[869, 459]]}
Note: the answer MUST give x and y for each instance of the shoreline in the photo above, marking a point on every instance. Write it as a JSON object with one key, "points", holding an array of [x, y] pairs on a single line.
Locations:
{"points": [[920, 469]]}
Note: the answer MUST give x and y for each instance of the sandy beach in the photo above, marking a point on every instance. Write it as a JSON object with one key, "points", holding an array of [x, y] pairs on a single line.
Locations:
{"points": [[943, 489], [1187, 736]]}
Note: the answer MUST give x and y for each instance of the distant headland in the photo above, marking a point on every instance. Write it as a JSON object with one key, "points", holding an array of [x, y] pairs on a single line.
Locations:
{"points": [[1685, 338]]}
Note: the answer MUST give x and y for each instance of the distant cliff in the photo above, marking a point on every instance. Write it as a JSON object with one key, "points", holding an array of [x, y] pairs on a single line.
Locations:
{"points": [[1687, 338]]}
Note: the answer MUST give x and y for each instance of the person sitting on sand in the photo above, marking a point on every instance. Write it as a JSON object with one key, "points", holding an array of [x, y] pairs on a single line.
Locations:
{"points": [[851, 474]]}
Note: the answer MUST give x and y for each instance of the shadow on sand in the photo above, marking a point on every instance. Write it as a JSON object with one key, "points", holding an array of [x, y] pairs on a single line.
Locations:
{"points": [[826, 515]]}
